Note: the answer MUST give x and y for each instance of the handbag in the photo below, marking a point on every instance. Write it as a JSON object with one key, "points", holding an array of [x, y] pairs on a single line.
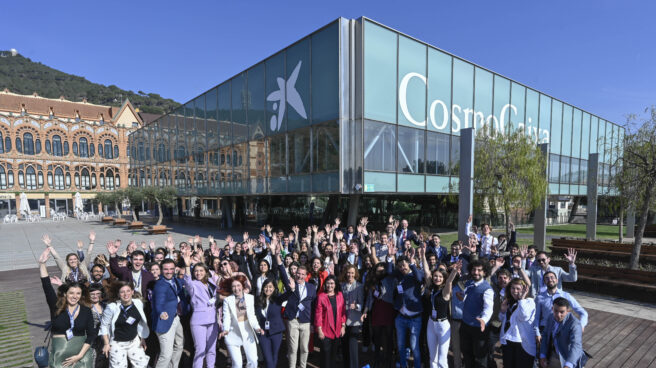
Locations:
{"points": [[41, 354]]}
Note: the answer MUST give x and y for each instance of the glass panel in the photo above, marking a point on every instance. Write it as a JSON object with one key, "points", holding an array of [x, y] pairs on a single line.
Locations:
{"points": [[463, 96], [379, 182], [437, 152], [545, 119], [502, 108], [299, 151], [277, 155], [298, 68], [239, 101], [455, 156], [411, 151], [256, 100], [483, 99], [556, 126], [275, 68], [380, 51], [439, 90], [574, 163], [583, 172], [576, 133], [412, 83], [518, 100], [380, 146], [594, 130], [564, 169], [225, 125], [554, 168], [532, 113], [411, 183], [325, 74], [566, 147], [326, 147]]}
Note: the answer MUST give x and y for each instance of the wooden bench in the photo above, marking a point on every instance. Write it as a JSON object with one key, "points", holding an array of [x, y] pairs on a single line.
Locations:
{"points": [[604, 250], [650, 231], [623, 283], [135, 225], [107, 219], [120, 221], [157, 229]]}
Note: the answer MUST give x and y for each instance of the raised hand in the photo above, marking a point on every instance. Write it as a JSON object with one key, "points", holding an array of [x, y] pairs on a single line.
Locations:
{"points": [[56, 280], [337, 221], [499, 262], [268, 228], [197, 239], [245, 236], [315, 229], [469, 219], [571, 255], [523, 251], [112, 248], [391, 219], [151, 245], [44, 256], [328, 229], [92, 236], [80, 244], [292, 284], [210, 238], [46, 239]]}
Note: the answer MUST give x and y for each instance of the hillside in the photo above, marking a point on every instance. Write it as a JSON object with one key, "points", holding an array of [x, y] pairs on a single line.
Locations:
{"points": [[24, 76]]}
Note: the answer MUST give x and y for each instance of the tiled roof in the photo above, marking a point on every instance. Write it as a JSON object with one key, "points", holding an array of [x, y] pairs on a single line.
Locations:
{"points": [[62, 108]]}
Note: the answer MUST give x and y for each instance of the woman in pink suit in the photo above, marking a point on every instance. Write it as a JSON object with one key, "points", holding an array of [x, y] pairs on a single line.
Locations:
{"points": [[330, 320], [204, 327]]}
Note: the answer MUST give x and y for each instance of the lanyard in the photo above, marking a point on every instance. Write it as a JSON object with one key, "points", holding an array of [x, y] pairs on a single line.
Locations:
{"points": [[71, 316], [137, 282], [211, 290], [125, 310], [433, 295], [75, 274]]}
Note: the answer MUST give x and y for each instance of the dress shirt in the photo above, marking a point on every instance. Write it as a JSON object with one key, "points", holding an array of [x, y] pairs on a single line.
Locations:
{"points": [[487, 241], [553, 337], [544, 307], [302, 293], [488, 302]]}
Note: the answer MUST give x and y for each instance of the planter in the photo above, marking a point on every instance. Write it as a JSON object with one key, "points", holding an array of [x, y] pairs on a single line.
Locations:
{"points": [[120, 221], [107, 219]]}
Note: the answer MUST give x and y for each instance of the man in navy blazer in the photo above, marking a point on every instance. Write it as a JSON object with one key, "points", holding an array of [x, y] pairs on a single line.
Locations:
{"points": [[168, 304], [403, 234], [136, 274], [298, 314], [435, 247], [561, 343]]}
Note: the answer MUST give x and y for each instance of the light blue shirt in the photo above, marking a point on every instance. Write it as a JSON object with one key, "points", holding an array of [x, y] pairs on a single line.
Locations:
{"points": [[544, 308]]}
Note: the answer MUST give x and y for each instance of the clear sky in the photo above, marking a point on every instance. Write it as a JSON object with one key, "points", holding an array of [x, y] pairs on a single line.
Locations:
{"points": [[596, 55]]}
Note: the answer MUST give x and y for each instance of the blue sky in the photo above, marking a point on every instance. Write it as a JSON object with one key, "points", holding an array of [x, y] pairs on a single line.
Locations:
{"points": [[597, 55]]}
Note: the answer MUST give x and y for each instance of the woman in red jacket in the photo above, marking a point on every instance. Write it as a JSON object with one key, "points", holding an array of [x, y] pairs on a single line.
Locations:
{"points": [[330, 320]]}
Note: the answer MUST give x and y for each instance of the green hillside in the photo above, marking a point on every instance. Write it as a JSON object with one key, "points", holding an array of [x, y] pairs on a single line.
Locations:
{"points": [[24, 76]]}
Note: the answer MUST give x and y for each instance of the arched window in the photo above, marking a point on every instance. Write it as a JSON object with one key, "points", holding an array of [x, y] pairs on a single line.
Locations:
{"points": [[56, 145], [10, 178], [3, 177], [92, 150], [200, 180], [181, 154], [109, 180], [2, 144], [68, 180], [100, 150], [180, 180], [222, 159], [161, 157], [102, 181], [37, 144], [234, 158], [77, 180], [162, 179], [75, 148], [40, 179], [142, 178], [115, 151], [85, 179], [142, 152], [48, 150], [65, 148], [108, 149], [30, 178], [84, 147], [59, 179], [19, 145], [28, 144], [7, 144], [117, 180]]}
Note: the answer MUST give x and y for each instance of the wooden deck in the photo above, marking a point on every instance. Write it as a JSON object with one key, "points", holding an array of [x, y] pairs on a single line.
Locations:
{"points": [[613, 340]]}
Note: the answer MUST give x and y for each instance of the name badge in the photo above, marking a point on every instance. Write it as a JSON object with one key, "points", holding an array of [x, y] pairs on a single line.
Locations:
{"points": [[301, 307], [130, 320], [212, 302], [69, 334], [434, 314], [376, 294], [399, 288], [266, 325]]}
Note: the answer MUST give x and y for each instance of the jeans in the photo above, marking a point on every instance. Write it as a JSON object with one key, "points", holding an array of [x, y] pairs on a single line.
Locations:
{"points": [[413, 326]]}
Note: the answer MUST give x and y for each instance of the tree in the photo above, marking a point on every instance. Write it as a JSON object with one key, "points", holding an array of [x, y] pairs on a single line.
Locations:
{"points": [[509, 170], [633, 172], [134, 196], [110, 197], [165, 196]]}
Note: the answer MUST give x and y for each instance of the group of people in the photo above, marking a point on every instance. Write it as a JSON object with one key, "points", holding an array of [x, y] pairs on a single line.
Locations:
{"points": [[396, 293]]}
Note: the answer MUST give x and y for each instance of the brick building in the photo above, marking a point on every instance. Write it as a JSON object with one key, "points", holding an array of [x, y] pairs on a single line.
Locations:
{"points": [[51, 149]]}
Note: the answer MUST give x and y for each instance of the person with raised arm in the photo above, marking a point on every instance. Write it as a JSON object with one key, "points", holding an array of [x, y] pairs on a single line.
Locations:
{"points": [[541, 267], [73, 269], [517, 314], [141, 279]]}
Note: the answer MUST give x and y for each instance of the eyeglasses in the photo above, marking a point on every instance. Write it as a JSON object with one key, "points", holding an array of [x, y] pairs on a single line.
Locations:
{"points": [[224, 264], [541, 260]]}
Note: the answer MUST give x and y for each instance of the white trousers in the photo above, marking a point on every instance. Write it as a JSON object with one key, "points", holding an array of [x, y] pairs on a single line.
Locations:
{"points": [[171, 344], [121, 351], [250, 348], [438, 335]]}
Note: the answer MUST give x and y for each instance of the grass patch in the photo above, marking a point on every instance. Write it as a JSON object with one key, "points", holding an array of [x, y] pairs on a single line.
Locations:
{"points": [[578, 231]]}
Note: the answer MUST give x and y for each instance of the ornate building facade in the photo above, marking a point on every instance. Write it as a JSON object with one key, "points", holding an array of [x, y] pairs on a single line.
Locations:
{"points": [[51, 149]]}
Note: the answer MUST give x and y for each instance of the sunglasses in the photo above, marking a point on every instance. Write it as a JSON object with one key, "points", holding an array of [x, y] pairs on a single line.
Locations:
{"points": [[541, 260]]}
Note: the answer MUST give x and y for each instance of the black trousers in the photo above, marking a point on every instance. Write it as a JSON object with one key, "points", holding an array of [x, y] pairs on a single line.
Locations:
{"points": [[328, 352], [514, 356], [474, 346], [350, 347], [383, 339]]}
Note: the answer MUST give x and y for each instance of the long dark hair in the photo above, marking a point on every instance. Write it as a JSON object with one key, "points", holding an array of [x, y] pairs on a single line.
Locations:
{"points": [[261, 299], [372, 280], [115, 288], [61, 296], [511, 299], [337, 286]]}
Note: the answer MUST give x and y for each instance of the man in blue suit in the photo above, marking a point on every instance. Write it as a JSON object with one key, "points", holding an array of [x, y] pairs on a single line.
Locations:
{"points": [[169, 304], [298, 314], [561, 344], [436, 248]]}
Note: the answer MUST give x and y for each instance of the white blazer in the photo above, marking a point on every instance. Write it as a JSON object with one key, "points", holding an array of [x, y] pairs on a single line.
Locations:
{"points": [[231, 323], [111, 313]]}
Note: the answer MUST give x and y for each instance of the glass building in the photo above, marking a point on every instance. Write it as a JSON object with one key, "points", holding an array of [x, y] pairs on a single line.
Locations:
{"points": [[355, 108]]}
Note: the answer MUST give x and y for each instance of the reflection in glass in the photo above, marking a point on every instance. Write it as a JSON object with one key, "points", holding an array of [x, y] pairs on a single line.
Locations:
{"points": [[564, 169], [379, 146], [411, 151], [437, 154], [299, 151], [326, 147], [554, 168], [277, 155], [455, 156]]}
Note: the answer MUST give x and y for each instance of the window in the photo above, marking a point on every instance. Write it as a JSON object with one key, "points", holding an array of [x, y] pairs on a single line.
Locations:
{"points": [[65, 148], [10, 178], [19, 145], [56, 145], [379, 146], [437, 160], [142, 151], [84, 147], [59, 179], [40, 179], [30, 178], [410, 158], [564, 169], [554, 168], [162, 179], [7, 144], [115, 151], [92, 150], [37, 143], [48, 150], [3, 177], [28, 144], [85, 179], [75, 148], [161, 153], [455, 156], [108, 149], [109, 180], [100, 150], [181, 155], [180, 180], [2, 149]]}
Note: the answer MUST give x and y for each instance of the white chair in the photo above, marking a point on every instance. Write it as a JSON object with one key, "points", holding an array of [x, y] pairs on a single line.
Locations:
{"points": [[6, 219], [13, 219]]}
